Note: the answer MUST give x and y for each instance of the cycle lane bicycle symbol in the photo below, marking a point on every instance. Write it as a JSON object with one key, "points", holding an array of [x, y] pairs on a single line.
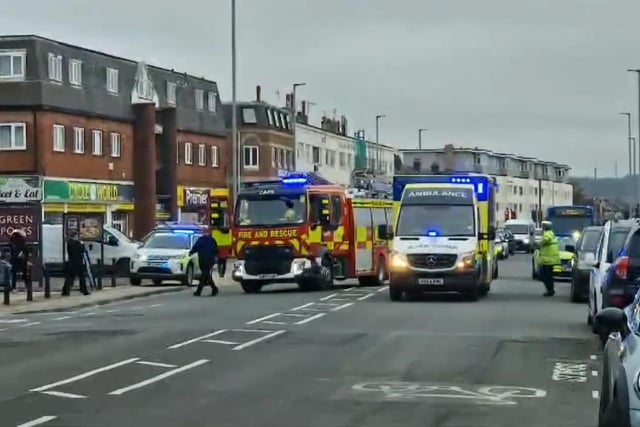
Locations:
{"points": [[488, 394]]}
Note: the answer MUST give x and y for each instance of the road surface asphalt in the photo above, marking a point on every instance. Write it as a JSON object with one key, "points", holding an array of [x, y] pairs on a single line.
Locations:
{"points": [[343, 358]]}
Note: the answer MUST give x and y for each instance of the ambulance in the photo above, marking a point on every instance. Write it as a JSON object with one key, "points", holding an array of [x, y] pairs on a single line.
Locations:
{"points": [[443, 237]]}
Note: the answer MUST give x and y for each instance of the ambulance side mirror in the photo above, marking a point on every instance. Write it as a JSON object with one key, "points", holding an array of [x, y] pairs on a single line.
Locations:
{"points": [[385, 232], [492, 233]]}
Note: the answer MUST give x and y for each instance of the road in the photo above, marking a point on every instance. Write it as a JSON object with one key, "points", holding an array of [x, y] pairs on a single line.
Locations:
{"points": [[345, 358]]}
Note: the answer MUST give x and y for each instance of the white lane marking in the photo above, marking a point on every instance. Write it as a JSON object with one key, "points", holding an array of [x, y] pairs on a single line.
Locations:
{"points": [[63, 394], [593, 357], [161, 365], [309, 319], [349, 304], [348, 289], [271, 322], [38, 421], [250, 330], [594, 373], [113, 310], [365, 297], [382, 289], [595, 394], [251, 322], [328, 303], [62, 318], [3, 329], [86, 374], [91, 313], [294, 315], [13, 320], [31, 324], [303, 306], [257, 340], [158, 377], [191, 341], [221, 342], [154, 305], [341, 299], [328, 297]]}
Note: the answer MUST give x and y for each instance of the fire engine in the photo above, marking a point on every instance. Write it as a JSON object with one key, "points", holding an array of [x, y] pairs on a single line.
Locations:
{"points": [[306, 230], [220, 225]]}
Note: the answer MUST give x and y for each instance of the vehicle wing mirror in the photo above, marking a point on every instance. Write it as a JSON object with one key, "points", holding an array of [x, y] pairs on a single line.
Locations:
{"points": [[492, 233], [609, 257], [112, 241], [570, 248], [610, 319], [385, 232], [589, 259]]}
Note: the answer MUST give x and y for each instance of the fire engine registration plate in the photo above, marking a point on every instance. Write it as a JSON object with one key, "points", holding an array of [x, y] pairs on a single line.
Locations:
{"points": [[430, 281], [267, 276]]}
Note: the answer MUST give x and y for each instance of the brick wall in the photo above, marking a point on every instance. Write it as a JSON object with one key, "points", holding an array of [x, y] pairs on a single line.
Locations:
{"points": [[213, 173]]}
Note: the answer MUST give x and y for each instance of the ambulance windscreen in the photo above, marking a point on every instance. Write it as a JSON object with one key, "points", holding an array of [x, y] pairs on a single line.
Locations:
{"points": [[271, 210], [436, 220]]}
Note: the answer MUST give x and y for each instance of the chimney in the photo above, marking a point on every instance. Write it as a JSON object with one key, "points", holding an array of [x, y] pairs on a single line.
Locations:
{"points": [[435, 167], [304, 108], [417, 164], [258, 90], [323, 122]]}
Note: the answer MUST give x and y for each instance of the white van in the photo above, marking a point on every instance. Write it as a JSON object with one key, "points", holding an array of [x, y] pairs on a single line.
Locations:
{"points": [[117, 246], [523, 231]]}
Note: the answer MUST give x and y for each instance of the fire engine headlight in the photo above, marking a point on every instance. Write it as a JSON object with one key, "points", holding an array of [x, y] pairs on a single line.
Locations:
{"points": [[398, 261], [467, 260], [300, 264]]}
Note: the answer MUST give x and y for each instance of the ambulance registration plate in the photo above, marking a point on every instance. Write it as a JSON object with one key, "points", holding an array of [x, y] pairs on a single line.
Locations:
{"points": [[267, 276], [430, 281]]}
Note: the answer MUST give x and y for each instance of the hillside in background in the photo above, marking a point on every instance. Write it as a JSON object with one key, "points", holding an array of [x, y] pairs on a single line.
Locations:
{"points": [[609, 188]]}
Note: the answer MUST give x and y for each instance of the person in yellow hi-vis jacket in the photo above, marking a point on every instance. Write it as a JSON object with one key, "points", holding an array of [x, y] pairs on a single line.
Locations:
{"points": [[548, 257]]}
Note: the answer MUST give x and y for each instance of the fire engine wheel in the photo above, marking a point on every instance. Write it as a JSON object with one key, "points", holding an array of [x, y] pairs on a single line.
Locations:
{"points": [[325, 281], [251, 287]]}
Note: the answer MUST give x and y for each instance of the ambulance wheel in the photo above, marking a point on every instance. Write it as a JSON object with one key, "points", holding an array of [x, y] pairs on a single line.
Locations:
{"points": [[496, 272], [484, 290], [250, 287], [473, 294], [187, 280], [395, 294]]}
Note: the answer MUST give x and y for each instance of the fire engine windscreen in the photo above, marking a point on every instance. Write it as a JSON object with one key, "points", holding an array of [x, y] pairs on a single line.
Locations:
{"points": [[436, 220], [168, 241], [271, 210]]}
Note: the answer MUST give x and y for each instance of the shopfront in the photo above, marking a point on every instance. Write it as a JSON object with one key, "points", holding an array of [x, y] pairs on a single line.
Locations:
{"points": [[114, 199], [193, 205]]}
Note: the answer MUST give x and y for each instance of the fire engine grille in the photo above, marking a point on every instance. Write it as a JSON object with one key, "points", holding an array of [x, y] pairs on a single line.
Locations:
{"points": [[268, 259], [432, 261]]}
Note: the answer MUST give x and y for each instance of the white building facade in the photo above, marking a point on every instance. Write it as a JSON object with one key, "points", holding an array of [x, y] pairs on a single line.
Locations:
{"points": [[525, 185], [333, 156]]}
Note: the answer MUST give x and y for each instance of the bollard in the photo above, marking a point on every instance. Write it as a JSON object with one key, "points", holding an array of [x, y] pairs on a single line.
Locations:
{"points": [[100, 271], [47, 282], [29, 283], [114, 272], [6, 273]]}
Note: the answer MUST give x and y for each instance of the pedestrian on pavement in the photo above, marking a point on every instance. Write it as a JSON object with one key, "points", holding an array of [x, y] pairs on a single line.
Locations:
{"points": [[75, 266], [19, 258], [548, 257], [5, 269], [207, 249]]}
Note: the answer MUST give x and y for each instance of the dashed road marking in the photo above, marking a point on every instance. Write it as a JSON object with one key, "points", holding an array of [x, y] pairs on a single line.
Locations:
{"points": [[328, 297], [63, 318], [594, 373], [257, 340], [191, 341], [161, 365], [382, 289], [251, 322], [38, 421], [157, 378], [349, 304], [365, 297], [593, 357], [31, 324], [64, 394]]}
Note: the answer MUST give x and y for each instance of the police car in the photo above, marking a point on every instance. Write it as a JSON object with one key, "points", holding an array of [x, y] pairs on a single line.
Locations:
{"points": [[164, 255]]}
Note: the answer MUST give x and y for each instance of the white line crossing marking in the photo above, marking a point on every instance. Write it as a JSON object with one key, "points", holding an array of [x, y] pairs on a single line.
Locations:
{"points": [[328, 303], [309, 319], [348, 289], [303, 306], [341, 299], [191, 341], [63, 394], [250, 330], [349, 304], [294, 315], [221, 342], [161, 365], [328, 297], [271, 322], [3, 329], [13, 320], [113, 310], [365, 297], [154, 305], [86, 374], [38, 421], [595, 394], [257, 340], [91, 313], [251, 322], [31, 324], [382, 289], [63, 318], [158, 377]]}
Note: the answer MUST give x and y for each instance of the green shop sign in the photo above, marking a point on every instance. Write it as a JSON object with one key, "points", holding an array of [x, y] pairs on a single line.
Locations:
{"points": [[87, 192]]}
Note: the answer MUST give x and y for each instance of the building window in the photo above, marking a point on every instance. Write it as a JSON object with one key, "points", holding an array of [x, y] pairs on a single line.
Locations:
{"points": [[274, 157], [75, 72], [214, 157], [276, 119], [281, 159], [250, 158], [270, 117], [212, 101], [55, 67], [249, 116], [78, 140], [171, 93], [12, 65], [145, 89], [287, 124], [288, 157], [202, 155], [199, 99], [116, 145], [188, 153], [58, 138], [96, 137], [112, 80], [12, 136]]}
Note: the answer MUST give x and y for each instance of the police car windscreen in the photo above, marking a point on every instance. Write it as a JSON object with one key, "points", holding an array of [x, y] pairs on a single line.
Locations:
{"points": [[168, 241], [271, 210]]}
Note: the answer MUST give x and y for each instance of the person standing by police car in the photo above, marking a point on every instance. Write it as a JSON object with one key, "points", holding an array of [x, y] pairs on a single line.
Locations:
{"points": [[206, 248], [548, 257], [75, 266]]}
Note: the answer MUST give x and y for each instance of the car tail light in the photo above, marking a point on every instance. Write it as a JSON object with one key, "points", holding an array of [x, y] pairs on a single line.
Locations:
{"points": [[620, 301], [621, 267]]}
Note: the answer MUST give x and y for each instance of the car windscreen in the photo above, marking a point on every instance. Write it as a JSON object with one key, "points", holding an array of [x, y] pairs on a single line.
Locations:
{"points": [[443, 220], [518, 228], [617, 237], [167, 241], [272, 210], [589, 240]]}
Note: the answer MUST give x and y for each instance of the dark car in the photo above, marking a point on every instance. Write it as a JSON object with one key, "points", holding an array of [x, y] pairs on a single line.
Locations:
{"points": [[621, 282], [511, 240], [619, 392], [580, 271]]}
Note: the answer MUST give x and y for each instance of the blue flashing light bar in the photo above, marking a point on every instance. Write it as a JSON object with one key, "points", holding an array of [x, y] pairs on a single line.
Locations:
{"points": [[433, 233], [479, 182], [304, 178]]}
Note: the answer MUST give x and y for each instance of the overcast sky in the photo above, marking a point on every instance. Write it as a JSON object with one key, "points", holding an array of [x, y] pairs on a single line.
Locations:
{"points": [[543, 78]]}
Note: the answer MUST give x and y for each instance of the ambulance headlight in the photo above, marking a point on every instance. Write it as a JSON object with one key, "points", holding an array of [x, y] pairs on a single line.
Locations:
{"points": [[398, 261], [576, 235], [467, 260]]}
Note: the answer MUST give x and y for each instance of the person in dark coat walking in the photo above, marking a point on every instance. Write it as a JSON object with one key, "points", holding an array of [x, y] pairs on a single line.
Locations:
{"points": [[19, 258], [207, 249], [75, 266]]}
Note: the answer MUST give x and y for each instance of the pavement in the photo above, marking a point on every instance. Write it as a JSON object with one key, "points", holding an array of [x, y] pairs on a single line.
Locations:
{"points": [[348, 357]]}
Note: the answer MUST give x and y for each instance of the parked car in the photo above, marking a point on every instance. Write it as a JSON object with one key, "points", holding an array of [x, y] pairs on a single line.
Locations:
{"points": [[587, 244], [511, 240], [537, 236], [619, 397], [562, 271], [612, 239], [501, 246]]}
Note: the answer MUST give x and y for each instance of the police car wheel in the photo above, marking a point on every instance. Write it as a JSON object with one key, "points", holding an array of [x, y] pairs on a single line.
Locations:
{"points": [[250, 287], [135, 281], [188, 276]]}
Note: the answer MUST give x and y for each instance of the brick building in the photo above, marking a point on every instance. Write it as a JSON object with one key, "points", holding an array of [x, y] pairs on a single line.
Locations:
{"points": [[108, 134], [265, 134]]}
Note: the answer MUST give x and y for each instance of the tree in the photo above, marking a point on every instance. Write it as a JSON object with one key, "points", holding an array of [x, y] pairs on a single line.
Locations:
{"points": [[579, 196]]}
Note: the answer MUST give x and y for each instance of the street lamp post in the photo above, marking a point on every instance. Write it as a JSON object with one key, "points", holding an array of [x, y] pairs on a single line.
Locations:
{"points": [[294, 121], [420, 137], [630, 146], [635, 177], [235, 166], [377, 165]]}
